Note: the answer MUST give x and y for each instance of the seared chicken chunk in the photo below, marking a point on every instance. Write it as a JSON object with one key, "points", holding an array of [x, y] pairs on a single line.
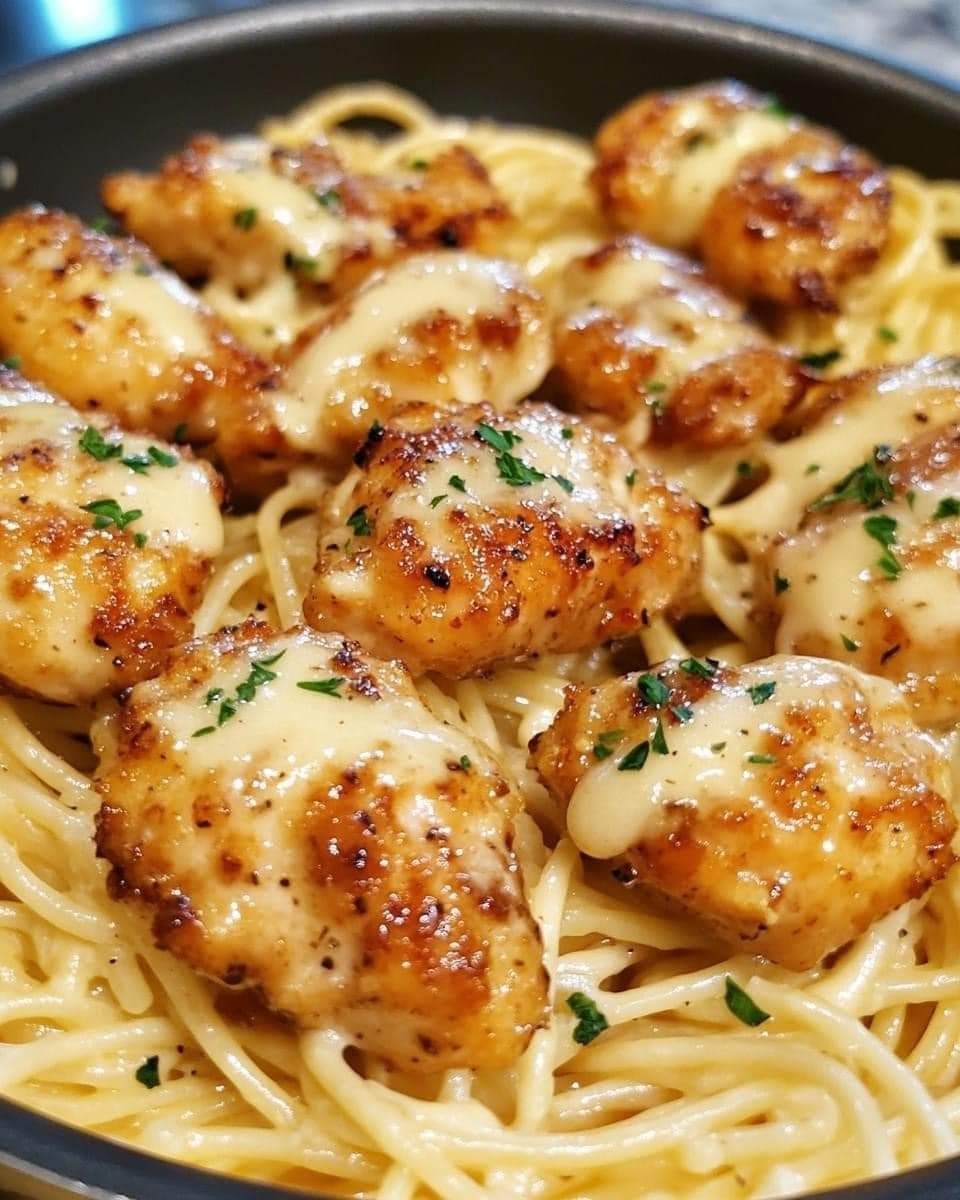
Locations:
{"points": [[787, 804], [873, 575], [464, 539], [778, 208], [244, 210], [643, 328], [105, 539], [838, 426], [439, 328], [103, 325], [295, 821]]}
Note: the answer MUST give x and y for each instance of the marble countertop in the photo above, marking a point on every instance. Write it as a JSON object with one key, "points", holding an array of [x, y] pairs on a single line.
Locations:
{"points": [[921, 34]]}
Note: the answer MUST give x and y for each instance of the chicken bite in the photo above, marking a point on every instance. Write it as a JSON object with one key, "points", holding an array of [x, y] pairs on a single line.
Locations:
{"points": [[786, 804], [295, 821], [464, 539], [244, 210], [440, 328], [106, 540], [872, 577], [102, 324], [779, 209], [643, 329]]}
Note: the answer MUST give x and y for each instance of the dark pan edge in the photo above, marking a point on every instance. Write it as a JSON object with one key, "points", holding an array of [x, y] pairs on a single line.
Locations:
{"points": [[72, 1159]]}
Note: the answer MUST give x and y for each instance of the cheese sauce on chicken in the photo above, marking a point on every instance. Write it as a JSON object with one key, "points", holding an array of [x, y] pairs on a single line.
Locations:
{"points": [[788, 803], [497, 538], [105, 549], [295, 821]]}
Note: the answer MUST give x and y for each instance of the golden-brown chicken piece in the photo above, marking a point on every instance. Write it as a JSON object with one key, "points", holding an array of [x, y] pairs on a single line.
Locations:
{"points": [[787, 804], [778, 208], [838, 426], [103, 325], [106, 540], [440, 328], [295, 821], [244, 210], [642, 329], [464, 539], [873, 575]]}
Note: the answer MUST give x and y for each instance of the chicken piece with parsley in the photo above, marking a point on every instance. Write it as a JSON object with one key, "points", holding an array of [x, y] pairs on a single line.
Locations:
{"points": [[785, 804], [464, 539], [291, 819], [106, 540]]}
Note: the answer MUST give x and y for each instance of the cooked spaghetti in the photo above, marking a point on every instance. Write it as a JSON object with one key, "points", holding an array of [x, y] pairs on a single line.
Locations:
{"points": [[856, 1074]]}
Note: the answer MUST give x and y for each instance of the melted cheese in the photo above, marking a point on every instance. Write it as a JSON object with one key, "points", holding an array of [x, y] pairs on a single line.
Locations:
{"points": [[919, 398], [340, 360], [612, 810], [835, 581], [178, 503], [710, 165]]}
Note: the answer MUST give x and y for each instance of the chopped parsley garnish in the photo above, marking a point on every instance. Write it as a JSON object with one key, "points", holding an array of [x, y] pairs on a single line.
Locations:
{"points": [[566, 433], [500, 441], [780, 583], [93, 442], [358, 522], [143, 268], [776, 108], [849, 643], [653, 690], [12, 363], [745, 469], [701, 668], [693, 141], [590, 1020], [180, 433], [516, 472], [865, 484], [330, 199], [822, 359], [659, 743], [245, 218], [760, 693], [655, 386], [741, 1005], [630, 479], [109, 512], [683, 712], [438, 499], [295, 262], [812, 469], [140, 540], [259, 675], [761, 760], [563, 482], [604, 745], [949, 506], [102, 224], [634, 759], [161, 457], [911, 498], [419, 164], [464, 763], [457, 483], [886, 334], [717, 747], [326, 687], [148, 1073], [884, 530]]}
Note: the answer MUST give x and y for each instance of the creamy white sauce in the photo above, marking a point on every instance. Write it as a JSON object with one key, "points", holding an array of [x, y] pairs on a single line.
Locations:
{"points": [[161, 304]]}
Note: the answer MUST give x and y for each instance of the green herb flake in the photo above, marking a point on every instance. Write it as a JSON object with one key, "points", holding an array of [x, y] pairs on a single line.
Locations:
{"points": [[590, 1020], [138, 463], [820, 360], [653, 690], [245, 218], [140, 540], [780, 583], [330, 200], [761, 760], [634, 759], [603, 747], [745, 469], [889, 564], [457, 483], [109, 512], [884, 530], [563, 482], [502, 441], [244, 692], [760, 693], [161, 457], [849, 643], [740, 1004], [655, 387], [566, 433], [864, 485], [683, 713], [438, 500], [205, 730], [630, 479], [359, 523], [143, 268], [102, 224], [700, 668], [295, 262], [325, 687], [776, 108], [464, 763], [148, 1073], [717, 747], [93, 442], [886, 334], [180, 433], [214, 695], [812, 469], [419, 164], [911, 498], [516, 472], [949, 506], [659, 743], [12, 363]]}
